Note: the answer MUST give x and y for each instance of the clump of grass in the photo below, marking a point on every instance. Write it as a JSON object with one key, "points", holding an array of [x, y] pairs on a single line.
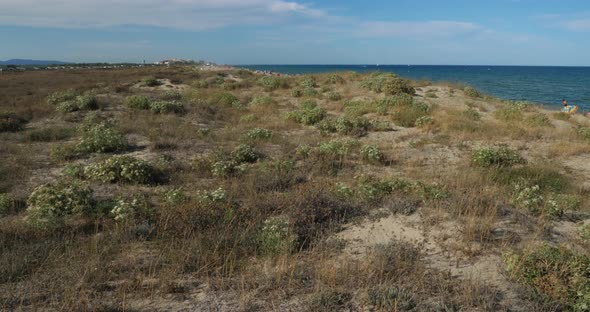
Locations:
{"points": [[538, 120], [50, 134], [262, 100], [9, 205], [309, 113], [555, 272], [10, 122], [509, 114], [391, 298], [296, 93], [472, 114], [121, 169], [50, 204], [276, 237], [330, 300], [408, 115], [497, 157]]}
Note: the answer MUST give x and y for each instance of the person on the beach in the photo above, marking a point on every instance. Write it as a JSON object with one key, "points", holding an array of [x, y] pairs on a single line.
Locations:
{"points": [[567, 108]]}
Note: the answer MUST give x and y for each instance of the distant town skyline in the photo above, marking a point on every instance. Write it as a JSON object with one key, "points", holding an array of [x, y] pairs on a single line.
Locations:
{"points": [[454, 32]]}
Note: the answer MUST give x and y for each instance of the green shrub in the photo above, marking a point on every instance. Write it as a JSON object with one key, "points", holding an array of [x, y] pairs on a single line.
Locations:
{"points": [[138, 102], [309, 113], [6, 204], [259, 134], [471, 92], [11, 122], [61, 96], [296, 93], [217, 196], [101, 138], [334, 79], [270, 83], [555, 272], [349, 126], [226, 99], [276, 237], [372, 154], [121, 169], [497, 157], [394, 86], [171, 95], [337, 149], [384, 105], [49, 204], [309, 82], [126, 210], [166, 107], [226, 168], [67, 107], [333, 96], [244, 153], [375, 81], [86, 102], [150, 82]]}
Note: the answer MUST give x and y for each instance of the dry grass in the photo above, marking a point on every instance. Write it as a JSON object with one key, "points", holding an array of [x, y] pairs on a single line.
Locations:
{"points": [[203, 232]]}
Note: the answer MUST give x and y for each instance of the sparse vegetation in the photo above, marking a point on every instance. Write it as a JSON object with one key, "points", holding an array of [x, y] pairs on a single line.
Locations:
{"points": [[232, 187]]}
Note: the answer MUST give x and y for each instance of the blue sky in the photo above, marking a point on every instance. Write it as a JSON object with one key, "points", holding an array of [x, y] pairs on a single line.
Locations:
{"points": [[487, 32]]}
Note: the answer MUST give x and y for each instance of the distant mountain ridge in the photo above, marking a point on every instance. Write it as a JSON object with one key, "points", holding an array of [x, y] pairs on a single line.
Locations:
{"points": [[31, 62]]}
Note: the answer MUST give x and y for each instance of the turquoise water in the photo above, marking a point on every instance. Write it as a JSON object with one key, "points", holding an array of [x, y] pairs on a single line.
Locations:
{"points": [[543, 85]]}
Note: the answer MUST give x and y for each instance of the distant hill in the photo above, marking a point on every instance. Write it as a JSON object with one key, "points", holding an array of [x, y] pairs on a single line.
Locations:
{"points": [[31, 62]]}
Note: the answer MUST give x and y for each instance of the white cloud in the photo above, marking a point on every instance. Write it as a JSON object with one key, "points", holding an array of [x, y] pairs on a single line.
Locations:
{"points": [[416, 29], [184, 14], [577, 25]]}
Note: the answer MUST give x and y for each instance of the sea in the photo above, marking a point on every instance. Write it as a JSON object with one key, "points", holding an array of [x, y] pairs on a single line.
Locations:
{"points": [[543, 85]]}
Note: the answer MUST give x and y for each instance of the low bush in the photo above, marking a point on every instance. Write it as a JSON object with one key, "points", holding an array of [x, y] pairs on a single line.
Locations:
{"points": [[309, 82], [472, 114], [61, 96], [49, 204], [101, 138], [138, 102], [150, 82], [226, 99], [121, 169], [310, 92], [262, 100], [509, 114], [259, 134], [296, 93], [497, 157], [87, 102], [408, 115], [276, 237], [334, 79], [7, 204], [372, 154], [309, 113], [388, 83], [171, 95], [270, 83], [333, 96], [471, 92], [554, 272], [244, 153], [166, 107], [11, 122], [126, 210], [357, 126]]}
